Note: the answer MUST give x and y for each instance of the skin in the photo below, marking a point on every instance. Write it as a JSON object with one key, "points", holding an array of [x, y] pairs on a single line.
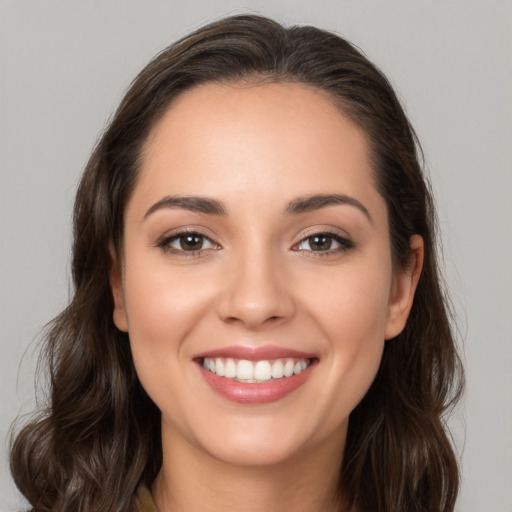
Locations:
{"points": [[256, 281]]}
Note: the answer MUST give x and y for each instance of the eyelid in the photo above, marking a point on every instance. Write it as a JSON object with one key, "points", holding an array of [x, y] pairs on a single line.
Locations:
{"points": [[345, 241], [164, 241]]}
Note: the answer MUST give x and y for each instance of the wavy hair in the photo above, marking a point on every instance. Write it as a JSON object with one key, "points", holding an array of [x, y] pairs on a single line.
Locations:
{"points": [[98, 437]]}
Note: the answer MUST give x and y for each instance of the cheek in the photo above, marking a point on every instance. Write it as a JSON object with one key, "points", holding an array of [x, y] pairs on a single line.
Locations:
{"points": [[162, 308], [159, 299], [352, 304], [162, 312], [352, 315]]}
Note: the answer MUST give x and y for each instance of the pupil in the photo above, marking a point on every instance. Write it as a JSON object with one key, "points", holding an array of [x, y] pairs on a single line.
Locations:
{"points": [[320, 242], [191, 242]]}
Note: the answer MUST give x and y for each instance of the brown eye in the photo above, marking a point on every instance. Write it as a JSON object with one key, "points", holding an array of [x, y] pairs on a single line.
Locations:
{"points": [[192, 242], [187, 243], [320, 242], [324, 243]]}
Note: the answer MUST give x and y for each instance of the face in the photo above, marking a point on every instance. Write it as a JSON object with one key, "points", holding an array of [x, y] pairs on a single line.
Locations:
{"points": [[257, 284]]}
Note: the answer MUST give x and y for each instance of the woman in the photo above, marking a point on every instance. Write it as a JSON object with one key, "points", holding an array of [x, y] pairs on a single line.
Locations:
{"points": [[258, 321]]}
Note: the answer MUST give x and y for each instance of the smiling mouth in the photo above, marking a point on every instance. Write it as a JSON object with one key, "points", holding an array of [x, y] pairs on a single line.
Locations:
{"points": [[262, 371]]}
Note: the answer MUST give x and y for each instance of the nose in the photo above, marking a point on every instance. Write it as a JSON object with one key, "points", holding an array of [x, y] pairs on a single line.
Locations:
{"points": [[256, 292]]}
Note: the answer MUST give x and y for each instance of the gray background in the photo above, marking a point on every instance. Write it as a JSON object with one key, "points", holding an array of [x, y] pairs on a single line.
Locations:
{"points": [[63, 68]]}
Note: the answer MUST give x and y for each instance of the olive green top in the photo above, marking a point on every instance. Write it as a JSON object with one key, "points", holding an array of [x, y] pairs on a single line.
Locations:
{"points": [[144, 500]]}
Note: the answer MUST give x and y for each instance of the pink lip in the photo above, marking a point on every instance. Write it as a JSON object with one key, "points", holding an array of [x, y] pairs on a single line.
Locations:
{"points": [[267, 352], [255, 393]]}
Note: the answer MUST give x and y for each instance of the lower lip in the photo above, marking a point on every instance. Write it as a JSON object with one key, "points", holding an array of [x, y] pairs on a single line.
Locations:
{"points": [[254, 393]]}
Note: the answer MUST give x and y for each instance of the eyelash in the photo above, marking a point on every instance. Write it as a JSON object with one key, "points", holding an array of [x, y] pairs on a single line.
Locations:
{"points": [[344, 244], [165, 243]]}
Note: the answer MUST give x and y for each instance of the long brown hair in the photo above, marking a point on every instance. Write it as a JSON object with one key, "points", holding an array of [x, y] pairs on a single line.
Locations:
{"points": [[99, 435]]}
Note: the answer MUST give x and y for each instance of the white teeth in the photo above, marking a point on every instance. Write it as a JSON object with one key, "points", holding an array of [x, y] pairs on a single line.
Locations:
{"points": [[230, 369], [219, 367], [288, 368], [255, 371], [262, 371], [244, 370], [277, 369]]}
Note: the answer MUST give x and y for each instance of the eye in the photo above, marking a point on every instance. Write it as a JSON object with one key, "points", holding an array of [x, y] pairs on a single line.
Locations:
{"points": [[324, 243], [191, 243]]}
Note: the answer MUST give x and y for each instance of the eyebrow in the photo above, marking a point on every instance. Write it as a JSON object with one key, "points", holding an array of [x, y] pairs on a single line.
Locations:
{"points": [[296, 207], [318, 201], [192, 203]]}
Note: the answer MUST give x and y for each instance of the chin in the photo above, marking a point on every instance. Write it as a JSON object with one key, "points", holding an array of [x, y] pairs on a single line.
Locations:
{"points": [[265, 441], [256, 451]]}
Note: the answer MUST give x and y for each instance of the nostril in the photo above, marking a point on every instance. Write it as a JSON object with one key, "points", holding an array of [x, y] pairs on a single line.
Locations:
{"points": [[254, 303]]}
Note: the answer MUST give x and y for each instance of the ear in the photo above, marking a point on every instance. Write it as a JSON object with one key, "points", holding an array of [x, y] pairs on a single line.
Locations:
{"points": [[403, 289], [116, 285]]}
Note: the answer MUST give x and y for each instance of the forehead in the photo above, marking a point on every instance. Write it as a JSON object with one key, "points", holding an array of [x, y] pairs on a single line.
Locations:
{"points": [[273, 139]]}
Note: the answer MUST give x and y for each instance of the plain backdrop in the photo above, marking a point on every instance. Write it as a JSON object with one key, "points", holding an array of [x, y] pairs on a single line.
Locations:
{"points": [[63, 68]]}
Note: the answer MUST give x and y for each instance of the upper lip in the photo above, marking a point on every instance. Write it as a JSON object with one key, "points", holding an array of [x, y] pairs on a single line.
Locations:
{"points": [[265, 352]]}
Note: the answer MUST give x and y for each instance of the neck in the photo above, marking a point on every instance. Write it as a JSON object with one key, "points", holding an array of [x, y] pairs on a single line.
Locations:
{"points": [[191, 479]]}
